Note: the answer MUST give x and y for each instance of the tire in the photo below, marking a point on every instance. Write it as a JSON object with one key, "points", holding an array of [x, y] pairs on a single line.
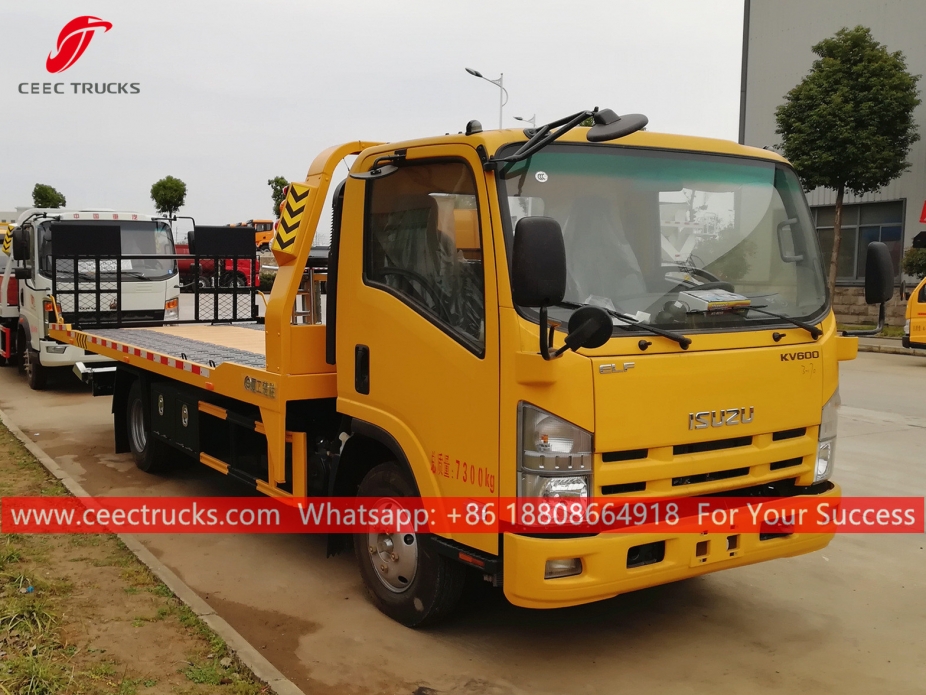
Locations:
{"points": [[417, 588], [263, 248], [35, 372], [229, 282], [151, 455]]}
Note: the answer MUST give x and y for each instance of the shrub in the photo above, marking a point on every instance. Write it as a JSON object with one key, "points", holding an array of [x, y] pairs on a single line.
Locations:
{"points": [[914, 263]]}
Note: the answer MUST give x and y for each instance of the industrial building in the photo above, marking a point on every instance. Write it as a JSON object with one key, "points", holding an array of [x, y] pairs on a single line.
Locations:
{"points": [[777, 40]]}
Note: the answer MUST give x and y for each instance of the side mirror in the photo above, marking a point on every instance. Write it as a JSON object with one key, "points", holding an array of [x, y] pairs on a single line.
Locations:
{"points": [[786, 247], [879, 274], [589, 327], [20, 244], [538, 263], [538, 270], [879, 283], [22, 273]]}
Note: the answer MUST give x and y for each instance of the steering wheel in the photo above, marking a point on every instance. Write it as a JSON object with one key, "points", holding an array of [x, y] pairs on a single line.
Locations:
{"points": [[426, 285], [712, 281]]}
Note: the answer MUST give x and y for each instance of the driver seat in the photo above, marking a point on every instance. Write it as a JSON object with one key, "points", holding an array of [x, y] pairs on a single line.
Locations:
{"points": [[599, 260]]}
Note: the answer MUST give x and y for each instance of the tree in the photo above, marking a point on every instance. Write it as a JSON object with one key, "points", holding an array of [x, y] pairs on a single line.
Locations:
{"points": [[45, 196], [914, 263], [277, 184], [168, 195], [848, 125]]}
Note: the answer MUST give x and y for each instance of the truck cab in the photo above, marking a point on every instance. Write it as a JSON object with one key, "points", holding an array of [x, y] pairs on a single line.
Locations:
{"points": [[915, 323], [149, 288]]}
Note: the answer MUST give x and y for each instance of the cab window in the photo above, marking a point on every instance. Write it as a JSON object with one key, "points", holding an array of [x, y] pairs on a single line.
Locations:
{"points": [[423, 244]]}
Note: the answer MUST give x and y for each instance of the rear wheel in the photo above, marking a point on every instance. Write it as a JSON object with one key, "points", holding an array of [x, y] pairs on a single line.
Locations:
{"points": [[229, 279], [407, 580], [151, 455]]}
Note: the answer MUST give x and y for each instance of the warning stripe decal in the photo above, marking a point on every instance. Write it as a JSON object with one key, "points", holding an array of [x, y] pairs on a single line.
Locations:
{"points": [[291, 217], [84, 339]]}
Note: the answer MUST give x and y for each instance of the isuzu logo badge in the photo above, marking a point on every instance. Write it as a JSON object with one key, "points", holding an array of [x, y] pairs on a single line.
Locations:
{"points": [[720, 418]]}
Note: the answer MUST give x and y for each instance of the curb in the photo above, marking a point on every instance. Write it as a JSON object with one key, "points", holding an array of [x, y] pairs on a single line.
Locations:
{"points": [[246, 652], [892, 350]]}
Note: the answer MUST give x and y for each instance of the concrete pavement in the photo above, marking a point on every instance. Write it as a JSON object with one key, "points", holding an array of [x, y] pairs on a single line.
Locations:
{"points": [[847, 619]]}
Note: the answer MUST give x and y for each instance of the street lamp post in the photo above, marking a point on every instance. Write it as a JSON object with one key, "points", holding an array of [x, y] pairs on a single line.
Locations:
{"points": [[502, 94], [532, 120]]}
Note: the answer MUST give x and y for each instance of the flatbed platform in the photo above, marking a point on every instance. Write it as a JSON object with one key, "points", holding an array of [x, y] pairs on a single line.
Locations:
{"points": [[206, 345]]}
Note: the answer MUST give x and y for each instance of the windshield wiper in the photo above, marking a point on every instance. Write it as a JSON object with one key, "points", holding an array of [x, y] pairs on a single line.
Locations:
{"points": [[630, 323], [813, 330]]}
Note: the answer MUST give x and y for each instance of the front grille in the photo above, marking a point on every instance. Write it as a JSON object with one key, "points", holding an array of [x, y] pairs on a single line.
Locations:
{"points": [[622, 488], [709, 477], [629, 455], [716, 445], [778, 465], [789, 434]]}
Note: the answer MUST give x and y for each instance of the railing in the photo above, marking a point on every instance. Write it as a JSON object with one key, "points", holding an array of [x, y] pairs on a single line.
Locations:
{"points": [[90, 290]]}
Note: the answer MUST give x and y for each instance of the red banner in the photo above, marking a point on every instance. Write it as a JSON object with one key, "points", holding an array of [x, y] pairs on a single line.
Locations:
{"points": [[786, 515]]}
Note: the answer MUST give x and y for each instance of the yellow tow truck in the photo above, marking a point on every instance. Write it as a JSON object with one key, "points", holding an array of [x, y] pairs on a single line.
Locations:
{"points": [[564, 311], [915, 323]]}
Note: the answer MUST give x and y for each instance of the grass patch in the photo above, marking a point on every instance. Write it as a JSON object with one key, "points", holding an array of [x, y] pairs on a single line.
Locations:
{"points": [[57, 593]]}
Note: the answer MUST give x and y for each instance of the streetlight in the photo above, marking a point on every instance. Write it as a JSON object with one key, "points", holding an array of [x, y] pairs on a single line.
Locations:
{"points": [[500, 83], [532, 120]]}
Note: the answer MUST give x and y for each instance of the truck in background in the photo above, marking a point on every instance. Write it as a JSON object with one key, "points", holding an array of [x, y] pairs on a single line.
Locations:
{"points": [[148, 290], [914, 329], [263, 233], [504, 320]]}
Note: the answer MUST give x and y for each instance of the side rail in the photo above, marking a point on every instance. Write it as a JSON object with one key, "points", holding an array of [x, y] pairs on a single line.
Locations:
{"points": [[95, 283]]}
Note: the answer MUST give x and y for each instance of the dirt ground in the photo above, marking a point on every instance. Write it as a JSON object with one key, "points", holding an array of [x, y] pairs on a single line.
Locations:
{"points": [[80, 614]]}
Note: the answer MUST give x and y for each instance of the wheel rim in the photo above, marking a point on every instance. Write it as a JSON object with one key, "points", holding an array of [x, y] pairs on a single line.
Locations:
{"points": [[394, 556], [137, 426]]}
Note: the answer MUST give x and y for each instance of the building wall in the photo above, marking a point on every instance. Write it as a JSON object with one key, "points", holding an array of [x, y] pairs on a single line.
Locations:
{"points": [[777, 54]]}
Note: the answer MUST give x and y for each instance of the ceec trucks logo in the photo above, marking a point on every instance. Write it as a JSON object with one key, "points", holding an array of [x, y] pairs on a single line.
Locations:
{"points": [[73, 41]]}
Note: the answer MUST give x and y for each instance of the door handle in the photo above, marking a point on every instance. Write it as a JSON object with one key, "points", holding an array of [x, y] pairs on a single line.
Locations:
{"points": [[362, 369]]}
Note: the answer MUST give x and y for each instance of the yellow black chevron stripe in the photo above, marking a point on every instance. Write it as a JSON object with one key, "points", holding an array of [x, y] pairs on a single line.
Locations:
{"points": [[290, 218], [7, 241]]}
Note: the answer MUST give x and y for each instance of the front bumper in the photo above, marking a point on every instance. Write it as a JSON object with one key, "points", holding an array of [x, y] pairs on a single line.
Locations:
{"points": [[908, 344], [604, 560], [71, 355]]}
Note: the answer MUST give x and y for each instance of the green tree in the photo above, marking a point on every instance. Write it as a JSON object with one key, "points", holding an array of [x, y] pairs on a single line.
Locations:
{"points": [[849, 124], [168, 195], [45, 196], [277, 184], [914, 263]]}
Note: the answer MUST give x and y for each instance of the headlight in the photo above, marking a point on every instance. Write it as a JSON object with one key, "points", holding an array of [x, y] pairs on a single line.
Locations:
{"points": [[826, 446], [906, 327], [172, 309], [554, 456]]}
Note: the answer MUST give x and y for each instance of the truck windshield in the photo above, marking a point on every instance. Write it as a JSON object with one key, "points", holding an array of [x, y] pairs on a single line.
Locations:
{"points": [[138, 238], [642, 227]]}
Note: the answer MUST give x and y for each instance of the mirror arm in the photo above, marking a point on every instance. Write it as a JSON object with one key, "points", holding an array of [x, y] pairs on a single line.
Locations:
{"points": [[546, 335], [873, 331]]}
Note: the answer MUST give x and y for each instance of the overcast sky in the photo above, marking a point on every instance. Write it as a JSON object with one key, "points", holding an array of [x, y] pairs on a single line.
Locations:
{"points": [[236, 92]]}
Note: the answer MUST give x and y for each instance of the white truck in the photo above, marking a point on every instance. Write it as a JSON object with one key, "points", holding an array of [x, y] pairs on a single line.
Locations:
{"points": [[150, 286]]}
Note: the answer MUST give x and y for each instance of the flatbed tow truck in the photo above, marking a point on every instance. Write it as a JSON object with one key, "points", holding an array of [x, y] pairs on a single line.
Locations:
{"points": [[504, 301]]}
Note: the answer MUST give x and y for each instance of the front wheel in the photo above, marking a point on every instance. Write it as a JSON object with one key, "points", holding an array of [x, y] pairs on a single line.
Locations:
{"points": [[407, 580], [35, 372], [150, 455]]}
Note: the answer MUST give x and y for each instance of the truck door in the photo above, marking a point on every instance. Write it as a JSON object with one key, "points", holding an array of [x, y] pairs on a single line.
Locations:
{"points": [[30, 297], [417, 325]]}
